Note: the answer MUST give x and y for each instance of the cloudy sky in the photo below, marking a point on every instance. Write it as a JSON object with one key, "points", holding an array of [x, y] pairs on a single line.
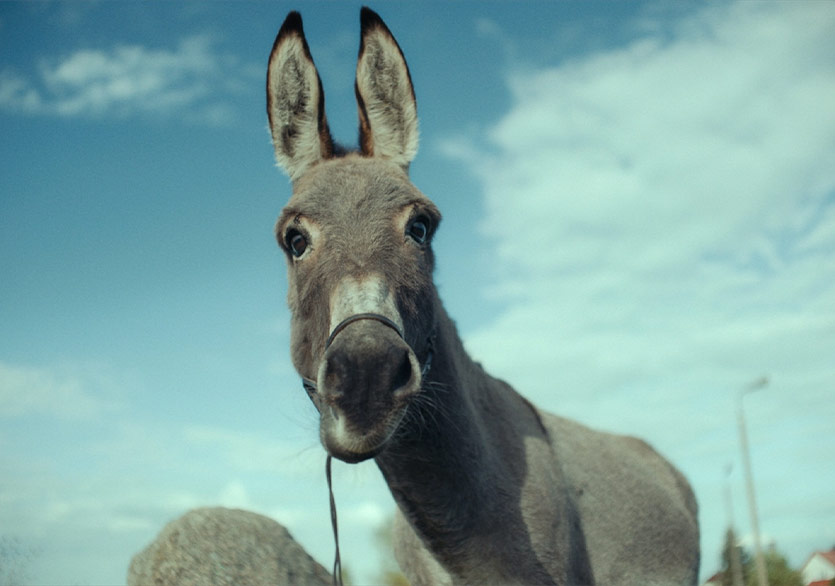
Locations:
{"points": [[639, 206]]}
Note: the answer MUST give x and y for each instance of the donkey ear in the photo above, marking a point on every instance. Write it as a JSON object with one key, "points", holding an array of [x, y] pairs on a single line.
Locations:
{"points": [[296, 102], [385, 96]]}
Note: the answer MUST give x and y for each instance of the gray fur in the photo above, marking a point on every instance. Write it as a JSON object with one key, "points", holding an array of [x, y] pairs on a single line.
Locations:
{"points": [[296, 103], [489, 489], [386, 100]]}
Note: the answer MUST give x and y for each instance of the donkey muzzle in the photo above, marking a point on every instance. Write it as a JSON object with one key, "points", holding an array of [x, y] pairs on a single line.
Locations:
{"points": [[365, 382]]}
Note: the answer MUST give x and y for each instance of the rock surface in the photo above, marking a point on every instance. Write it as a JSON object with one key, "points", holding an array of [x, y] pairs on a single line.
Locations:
{"points": [[224, 547]]}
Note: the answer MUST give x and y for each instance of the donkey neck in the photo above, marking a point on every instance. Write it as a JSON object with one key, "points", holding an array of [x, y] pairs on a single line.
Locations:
{"points": [[457, 466]]}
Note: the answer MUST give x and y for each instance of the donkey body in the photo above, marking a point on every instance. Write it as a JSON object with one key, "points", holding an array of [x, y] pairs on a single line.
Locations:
{"points": [[489, 489]]}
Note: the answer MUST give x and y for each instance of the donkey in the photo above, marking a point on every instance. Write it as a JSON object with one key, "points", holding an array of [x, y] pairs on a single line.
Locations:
{"points": [[489, 489]]}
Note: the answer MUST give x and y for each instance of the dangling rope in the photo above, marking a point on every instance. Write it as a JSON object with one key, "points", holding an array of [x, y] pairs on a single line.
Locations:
{"points": [[337, 562], [310, 387]]}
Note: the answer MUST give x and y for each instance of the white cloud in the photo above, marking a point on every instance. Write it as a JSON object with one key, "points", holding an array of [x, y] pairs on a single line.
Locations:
{"points": [[17, 93], [698, 144], [678, 192], [66, 393], [98, 499], [371, 514], [252, 452], [235, 496], [193, 79], [661, 217]]}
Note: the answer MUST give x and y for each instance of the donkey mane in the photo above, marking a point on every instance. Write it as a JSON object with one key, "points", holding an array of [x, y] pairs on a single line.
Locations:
{"points": [[489, 489]]}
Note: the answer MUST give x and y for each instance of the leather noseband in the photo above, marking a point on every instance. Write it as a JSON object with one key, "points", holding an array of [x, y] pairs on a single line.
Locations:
{"points": [[310, 385]]}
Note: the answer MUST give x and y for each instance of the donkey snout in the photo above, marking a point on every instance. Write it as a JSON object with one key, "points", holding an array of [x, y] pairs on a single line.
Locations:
{"points": [[369, 374], [366, 379]]}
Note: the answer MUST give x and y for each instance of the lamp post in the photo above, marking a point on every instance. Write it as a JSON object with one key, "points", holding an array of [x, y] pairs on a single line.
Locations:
{"points": [[733, 551], [762, 577]]}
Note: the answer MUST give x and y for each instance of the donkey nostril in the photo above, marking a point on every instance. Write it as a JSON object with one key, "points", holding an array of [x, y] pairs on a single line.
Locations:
{"points": [[357, 376], [337, 373], [403, 373]]}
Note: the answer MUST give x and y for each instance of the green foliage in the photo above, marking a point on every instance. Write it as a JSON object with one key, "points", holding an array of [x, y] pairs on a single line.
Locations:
{"points": [[778, 571], [14, 561], [776, 566], [731, 548]]}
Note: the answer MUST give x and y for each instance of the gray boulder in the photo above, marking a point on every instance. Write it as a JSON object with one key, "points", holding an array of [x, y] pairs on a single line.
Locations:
{"points": [[224, 547]]}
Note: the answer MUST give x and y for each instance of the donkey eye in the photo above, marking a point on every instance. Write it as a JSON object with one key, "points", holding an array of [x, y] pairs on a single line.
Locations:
{"points": [[296, 243], [418, 230]]}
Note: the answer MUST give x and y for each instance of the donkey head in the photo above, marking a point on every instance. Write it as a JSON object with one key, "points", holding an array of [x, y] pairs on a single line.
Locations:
{"points": [[357, 234]]}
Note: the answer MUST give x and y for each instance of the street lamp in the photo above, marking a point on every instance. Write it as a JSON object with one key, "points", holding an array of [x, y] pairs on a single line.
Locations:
{"points": [[733, 552], [762, 577]]}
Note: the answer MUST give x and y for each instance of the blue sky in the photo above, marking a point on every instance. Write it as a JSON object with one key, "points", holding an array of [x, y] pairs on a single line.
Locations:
{"points": [[639, 205]]}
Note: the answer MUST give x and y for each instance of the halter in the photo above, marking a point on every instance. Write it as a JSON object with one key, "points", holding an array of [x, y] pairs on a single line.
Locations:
{"points": [[310, 387]]}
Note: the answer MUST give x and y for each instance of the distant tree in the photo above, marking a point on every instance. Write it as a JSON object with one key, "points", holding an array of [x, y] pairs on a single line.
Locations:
{"points": [[778, 570], [14, 561], [731, 548], [776, 566]]}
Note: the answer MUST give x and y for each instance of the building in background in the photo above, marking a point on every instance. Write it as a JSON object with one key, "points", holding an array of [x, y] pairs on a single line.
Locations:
{"points": [[819, 569]]}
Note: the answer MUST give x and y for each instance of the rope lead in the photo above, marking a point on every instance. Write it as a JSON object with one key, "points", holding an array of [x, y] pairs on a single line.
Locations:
{"points": [[337, 562]]}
